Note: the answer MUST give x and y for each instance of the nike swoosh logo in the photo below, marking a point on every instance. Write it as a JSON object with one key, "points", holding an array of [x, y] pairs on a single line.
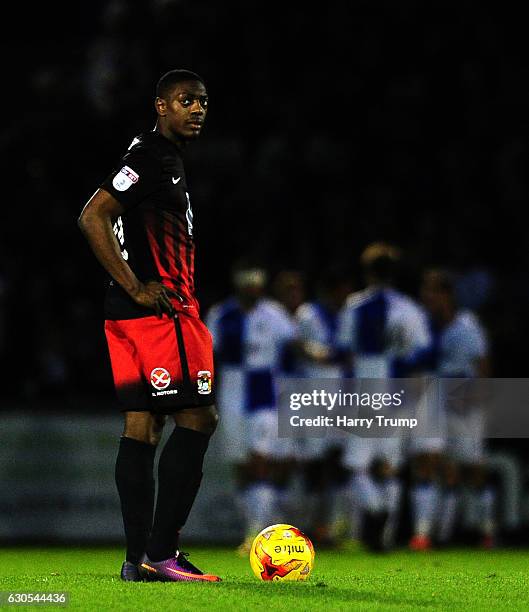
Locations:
{"points": [[175, 180], [198, 577]]}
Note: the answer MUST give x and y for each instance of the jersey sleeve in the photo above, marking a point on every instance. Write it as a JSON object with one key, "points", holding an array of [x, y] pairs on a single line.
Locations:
{"points": [[477, 341], [418, 332], [285, 328], [345, 333], [137, 178], [212, 323], [307, 325]]}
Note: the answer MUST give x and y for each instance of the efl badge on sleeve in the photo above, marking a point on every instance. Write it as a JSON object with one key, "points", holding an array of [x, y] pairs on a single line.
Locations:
{"points": [[204, 382], [125, 178]]}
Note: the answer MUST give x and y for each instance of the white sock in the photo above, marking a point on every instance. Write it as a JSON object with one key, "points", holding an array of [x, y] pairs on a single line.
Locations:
{"points": [[470, 508], [486, 501], [340, 513], [351, 511], [424, 502], [447, 515], [391, 491], [366, 493], [259, 505], [285, 506]]}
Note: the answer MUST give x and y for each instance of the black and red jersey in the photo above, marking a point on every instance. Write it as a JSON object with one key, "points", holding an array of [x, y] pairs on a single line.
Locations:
{"points": [[155, 232]]}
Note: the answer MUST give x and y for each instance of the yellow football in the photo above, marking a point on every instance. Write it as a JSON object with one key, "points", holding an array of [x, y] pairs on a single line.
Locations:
{"points": [[282, 552]]}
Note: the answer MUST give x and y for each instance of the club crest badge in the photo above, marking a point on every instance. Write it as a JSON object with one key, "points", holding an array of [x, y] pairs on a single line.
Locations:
{"points": [[204, 382]]}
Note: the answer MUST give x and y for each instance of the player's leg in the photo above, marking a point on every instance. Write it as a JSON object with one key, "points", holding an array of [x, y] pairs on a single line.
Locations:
{"points": [[481, 501], [339, 520], [426, 446], [319, 465], [258, 498], [324, 504], [283, 471], [471, 455], [135, 459], [268, 470], [387, 475], [231, 432], [178, 360], [316, 494], [179, 477], [424, 496], [450, 498], [379, 522], [135, 483], [486, 495], [366, 496]]}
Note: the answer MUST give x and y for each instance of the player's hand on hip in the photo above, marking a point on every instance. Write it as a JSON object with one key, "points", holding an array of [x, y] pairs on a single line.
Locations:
{"points": [[156, 296]]}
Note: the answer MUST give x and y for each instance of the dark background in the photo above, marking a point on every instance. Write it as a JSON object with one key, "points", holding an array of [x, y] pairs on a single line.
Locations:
{"points": [[329, 127]]}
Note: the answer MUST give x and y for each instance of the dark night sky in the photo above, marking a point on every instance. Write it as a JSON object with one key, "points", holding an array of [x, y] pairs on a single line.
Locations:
{"points": [[329, 127]]}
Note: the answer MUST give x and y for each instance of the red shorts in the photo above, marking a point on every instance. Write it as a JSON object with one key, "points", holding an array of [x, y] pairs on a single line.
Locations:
{"points": [[161, 364]]}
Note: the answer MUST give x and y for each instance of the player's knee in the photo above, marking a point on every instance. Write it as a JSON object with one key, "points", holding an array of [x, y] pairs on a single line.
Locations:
{"points": [[381, 469], [156, 431], [203, 420], [209, 421], [155, 437], [259, 467], [143, 427], [141, 436]]}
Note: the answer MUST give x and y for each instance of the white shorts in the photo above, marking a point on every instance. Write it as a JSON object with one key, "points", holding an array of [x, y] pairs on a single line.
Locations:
{"points": [[418, 445], [430, 434], [240, 434], [308, 449], [262, 436], [230, 434], [361, 452], [466, 436]]}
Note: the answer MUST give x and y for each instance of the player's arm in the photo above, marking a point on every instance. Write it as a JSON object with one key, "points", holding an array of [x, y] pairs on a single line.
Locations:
{"points": [[484, 367], [308, 348], [482, 364], [345, 339], [96, 223], [478, 346]]}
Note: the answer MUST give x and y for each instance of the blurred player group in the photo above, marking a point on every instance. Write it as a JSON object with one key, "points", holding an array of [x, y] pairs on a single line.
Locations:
{"points": [[427, 490]]}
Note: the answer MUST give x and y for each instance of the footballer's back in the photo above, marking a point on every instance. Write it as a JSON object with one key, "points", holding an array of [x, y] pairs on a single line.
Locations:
{"points": [[379, 326]]}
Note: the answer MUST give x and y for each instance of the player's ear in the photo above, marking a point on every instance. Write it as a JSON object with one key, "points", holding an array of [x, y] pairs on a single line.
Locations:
{"points": [[161, 106]]}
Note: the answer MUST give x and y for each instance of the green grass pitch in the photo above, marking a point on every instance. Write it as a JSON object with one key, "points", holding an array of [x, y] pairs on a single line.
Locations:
{"points": [[452, 580]]}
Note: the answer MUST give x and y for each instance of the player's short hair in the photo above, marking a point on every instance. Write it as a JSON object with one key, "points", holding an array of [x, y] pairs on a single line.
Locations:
{"points": [[172, 78], [288, 278], [381, 260], [442, 278], [333, 277], [248, 272]]}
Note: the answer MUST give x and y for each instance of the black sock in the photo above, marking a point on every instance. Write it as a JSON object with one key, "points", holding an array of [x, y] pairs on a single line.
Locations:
{"points": [[135, 482], [179, 476], [373, 529]]}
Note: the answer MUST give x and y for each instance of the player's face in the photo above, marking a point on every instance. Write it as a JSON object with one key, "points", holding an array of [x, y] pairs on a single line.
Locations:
{"points": [[185, 109], [251, 292], [432, 295]]}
